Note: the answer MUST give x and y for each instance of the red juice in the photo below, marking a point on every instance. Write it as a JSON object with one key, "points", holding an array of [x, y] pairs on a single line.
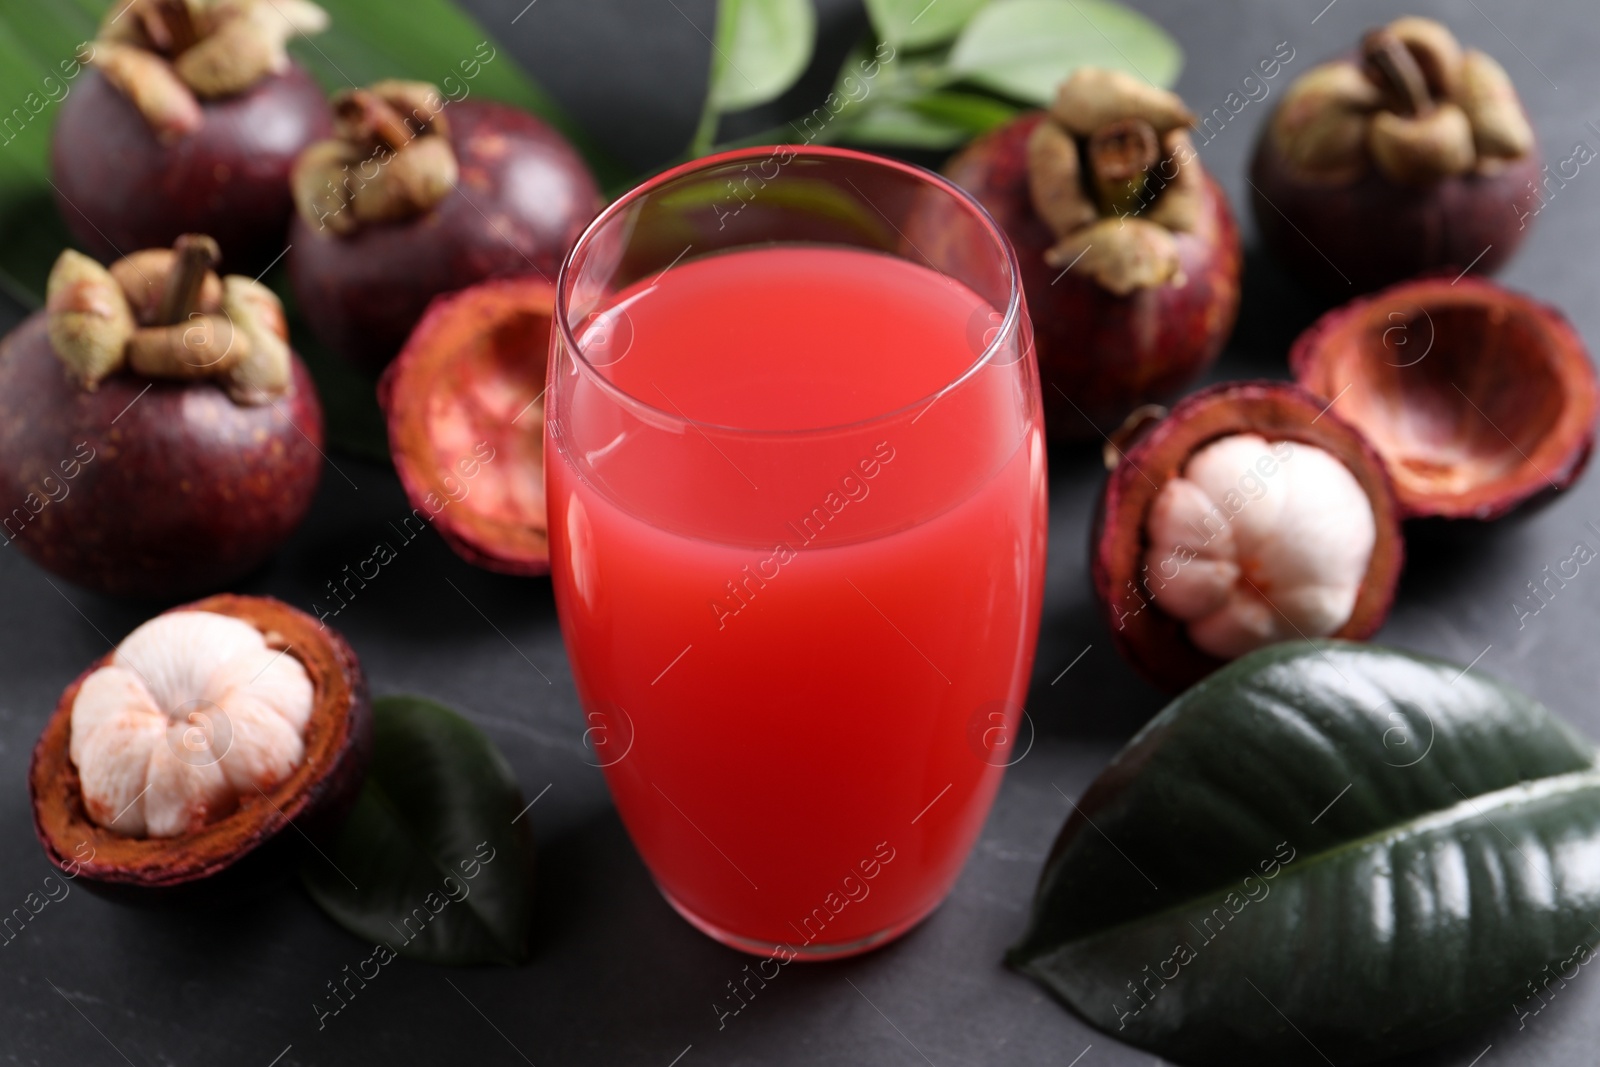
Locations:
{"points": [[797, 648]]}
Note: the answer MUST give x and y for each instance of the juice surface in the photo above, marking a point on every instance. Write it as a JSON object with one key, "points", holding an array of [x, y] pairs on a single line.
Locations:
{"points": [[794, 337], [798, 727]]}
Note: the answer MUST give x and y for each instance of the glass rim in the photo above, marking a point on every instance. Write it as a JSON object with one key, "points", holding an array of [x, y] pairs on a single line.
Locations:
{"points": [[1009, 323]]}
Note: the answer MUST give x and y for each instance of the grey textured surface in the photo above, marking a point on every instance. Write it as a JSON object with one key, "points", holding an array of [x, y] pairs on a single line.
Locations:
{"points": [[619, 979]]}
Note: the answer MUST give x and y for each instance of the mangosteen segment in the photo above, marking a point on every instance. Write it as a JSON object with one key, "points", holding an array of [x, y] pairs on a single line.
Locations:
{"points": [[194, 712], [1232, 448], [1477, 398], [1256, 542], [464, 402], [299, 669]]}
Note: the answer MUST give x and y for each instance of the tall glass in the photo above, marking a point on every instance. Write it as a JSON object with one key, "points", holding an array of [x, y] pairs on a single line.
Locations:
{"points": [[796, 481]]}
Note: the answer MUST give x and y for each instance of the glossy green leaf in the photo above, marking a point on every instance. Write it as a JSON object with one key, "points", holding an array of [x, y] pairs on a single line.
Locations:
{"points": [[1024, 48], [920, 23], [1323, 853], [761, 48], [905, 103], [877, 87], [431, 862]]}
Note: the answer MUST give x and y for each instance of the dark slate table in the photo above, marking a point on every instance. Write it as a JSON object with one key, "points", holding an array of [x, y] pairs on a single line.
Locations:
{"points": [[619, 979]]}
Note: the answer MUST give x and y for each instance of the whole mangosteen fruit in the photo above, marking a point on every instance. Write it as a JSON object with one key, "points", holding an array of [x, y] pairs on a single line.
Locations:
{"points": [[1411, 156], [158, 437], [1129, 253], [189, 121], [416, 197]]}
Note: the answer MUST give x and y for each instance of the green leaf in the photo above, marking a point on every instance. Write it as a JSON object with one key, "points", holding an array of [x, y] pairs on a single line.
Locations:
{"points": [[969, 112], [762, 47], [1323, 851], [920, 23], [430, 862], [1025, 48], [933, 120], [894, 125]]}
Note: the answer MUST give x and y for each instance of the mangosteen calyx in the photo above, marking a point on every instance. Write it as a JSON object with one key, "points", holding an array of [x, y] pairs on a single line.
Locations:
{"points": [[1113, 173], [166, 56], [391, 159], [1414, 104], [165, 314]]}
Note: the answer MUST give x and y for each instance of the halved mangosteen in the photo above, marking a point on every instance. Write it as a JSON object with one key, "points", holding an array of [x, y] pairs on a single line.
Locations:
{"points": [[178, 759], [1477, 398], [465, 404], [1250, 514]]}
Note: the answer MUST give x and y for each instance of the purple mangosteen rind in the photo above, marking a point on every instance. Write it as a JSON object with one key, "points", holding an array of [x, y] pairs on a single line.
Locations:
{"points": [[1343, 239]]}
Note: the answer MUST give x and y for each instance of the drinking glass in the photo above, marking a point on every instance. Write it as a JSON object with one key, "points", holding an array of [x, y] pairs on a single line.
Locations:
{"points": [[797, 500]]}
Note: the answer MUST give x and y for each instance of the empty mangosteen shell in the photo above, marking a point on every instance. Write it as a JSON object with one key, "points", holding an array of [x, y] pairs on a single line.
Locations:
{"points": [[1157, 644], [1531, 398], [1102, 355], [484, 345], [266, 837]]}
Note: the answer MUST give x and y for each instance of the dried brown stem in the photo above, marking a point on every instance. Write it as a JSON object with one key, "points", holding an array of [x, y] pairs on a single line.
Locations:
{"points": [[367, 111], [1397, 72], [168, 25], [197, 256]]}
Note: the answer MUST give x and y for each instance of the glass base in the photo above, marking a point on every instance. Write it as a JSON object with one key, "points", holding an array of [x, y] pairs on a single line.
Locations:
{"points": [[811, 952]]}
